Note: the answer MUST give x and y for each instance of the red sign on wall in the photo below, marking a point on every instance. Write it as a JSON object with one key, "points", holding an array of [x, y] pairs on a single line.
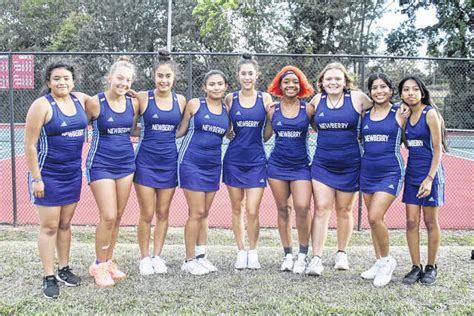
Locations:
{"points": [[23, 71]]}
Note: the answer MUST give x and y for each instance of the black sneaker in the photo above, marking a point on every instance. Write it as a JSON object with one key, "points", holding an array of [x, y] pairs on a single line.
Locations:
{"points": [[414, 275], [66, 276], [429, 276], [50, 287]]}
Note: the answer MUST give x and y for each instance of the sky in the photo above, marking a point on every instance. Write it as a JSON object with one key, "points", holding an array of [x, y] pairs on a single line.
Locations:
{"points": [[393, 17]]}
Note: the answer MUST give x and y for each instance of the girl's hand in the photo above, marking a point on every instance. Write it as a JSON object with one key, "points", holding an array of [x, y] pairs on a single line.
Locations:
{"points": [[38, 189], [132, 93], [230, 134], [425, 188], [404, 110]]}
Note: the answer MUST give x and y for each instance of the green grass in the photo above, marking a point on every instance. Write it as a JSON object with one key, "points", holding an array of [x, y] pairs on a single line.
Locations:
{"points": [[266, 291]]}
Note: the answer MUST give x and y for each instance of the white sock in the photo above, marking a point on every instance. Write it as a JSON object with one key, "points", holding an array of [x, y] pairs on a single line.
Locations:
{"points": [[200, 250]]}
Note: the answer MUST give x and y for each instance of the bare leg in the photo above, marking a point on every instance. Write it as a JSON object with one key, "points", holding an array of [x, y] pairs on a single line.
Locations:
{"points": [[430, 216], [147, 202], [413, 232], [254, 198], [345, 220], [49, 222], [63, 238], [281, 193], [324, 197]]}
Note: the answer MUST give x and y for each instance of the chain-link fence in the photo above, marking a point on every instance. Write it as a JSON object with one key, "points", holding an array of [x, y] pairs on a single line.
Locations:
{"points": [[449, 81]]}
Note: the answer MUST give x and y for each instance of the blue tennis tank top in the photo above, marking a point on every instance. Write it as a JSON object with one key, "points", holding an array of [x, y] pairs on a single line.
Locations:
{"points": [[61, 140], [381, 140], [111, 145], [337, 141], [246, 149], [158, 135], [420, 151], [291, 138], [202, 143]]}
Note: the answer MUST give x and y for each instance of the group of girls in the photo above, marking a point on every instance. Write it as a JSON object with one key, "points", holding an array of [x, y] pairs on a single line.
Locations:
{"points": [[339, 113]]}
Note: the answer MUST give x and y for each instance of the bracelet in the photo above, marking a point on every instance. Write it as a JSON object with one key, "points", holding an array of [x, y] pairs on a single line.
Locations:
{"points": [[431, 178], [37, 180]]}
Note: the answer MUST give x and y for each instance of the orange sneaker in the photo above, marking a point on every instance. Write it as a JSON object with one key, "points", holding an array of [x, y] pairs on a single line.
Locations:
{"points": [[101, 274], [114, 271]]}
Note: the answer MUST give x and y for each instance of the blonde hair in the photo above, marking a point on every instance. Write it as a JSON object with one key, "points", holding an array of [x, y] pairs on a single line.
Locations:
{"points": [[350, 85], [122, 61]]}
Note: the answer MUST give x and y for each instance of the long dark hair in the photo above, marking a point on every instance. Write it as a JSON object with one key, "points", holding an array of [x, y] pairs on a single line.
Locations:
{"points": [[55, 64], [426, 99]]}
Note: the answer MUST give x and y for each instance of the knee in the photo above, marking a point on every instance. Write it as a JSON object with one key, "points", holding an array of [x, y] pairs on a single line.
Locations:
{"points": [[413, 224], [108, 221], [431, 224], [237, 211], [302, 211], [146, 218], [283, 213], [322, 212], [198, 214], [49, 230], [252, 214], [374, 220], [64, 226], [161, 215]]}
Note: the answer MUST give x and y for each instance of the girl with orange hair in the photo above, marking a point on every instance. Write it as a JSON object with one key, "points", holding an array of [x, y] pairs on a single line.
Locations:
{"points": [[288, 167]]}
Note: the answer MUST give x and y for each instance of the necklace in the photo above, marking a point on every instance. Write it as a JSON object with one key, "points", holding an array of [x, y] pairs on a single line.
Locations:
{"points": [[333, 106]]}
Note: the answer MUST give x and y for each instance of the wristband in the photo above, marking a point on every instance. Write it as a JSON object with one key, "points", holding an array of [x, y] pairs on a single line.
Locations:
{"points": [[430, 177], [37, 180]]}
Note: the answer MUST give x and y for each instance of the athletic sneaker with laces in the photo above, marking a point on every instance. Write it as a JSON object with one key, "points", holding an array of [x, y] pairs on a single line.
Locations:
{"points": [[194, 268], [413, 276], [370, 274], [385, 271], [315, 266], [100, 273], [241, 261], [115, 272], [341, 262], [66, 276], [159, 265], [287, 264], [146, 267], [430, 274], [300, 264], [207, 264], [50, 287], [252, 260]]}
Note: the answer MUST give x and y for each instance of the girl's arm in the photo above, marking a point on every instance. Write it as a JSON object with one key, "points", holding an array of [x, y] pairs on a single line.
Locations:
{"points": [[190, 109], [39, 113], [268, 130], [434, 125], [92, 108], [136, 110], [361, 101]]}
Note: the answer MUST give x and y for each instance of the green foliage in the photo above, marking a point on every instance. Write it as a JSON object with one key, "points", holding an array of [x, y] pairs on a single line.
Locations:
{"points": [[214, 26]]}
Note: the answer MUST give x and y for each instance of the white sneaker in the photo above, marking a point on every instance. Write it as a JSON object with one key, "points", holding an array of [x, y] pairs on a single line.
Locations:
{"points": [[287, 264], [207, 264], [252, 262], [341, 261], [384, 274], [315, 266], [159, 265], [241, 262], [370, 274], [300, 264], [194, 268], [146, 267]]}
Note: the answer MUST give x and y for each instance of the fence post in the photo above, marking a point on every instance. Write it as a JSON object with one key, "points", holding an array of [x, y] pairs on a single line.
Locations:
{"points": [[12, 135], [361, 85], [190, 77]]}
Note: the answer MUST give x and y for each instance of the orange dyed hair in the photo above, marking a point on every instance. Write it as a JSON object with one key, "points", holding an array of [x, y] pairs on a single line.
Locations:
{"points": [[306, 89]]}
